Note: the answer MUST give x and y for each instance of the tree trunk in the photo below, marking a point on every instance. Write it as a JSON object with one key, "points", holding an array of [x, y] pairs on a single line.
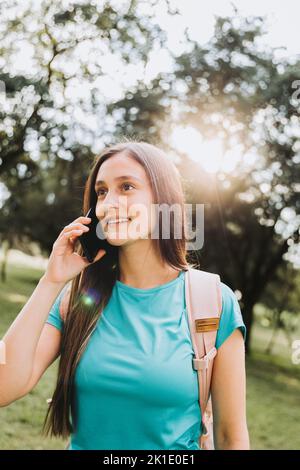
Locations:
{"points": [[5, 249]]}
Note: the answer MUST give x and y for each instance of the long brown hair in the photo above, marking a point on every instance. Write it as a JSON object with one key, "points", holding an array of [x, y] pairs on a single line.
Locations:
{"points": [[100, 277]]}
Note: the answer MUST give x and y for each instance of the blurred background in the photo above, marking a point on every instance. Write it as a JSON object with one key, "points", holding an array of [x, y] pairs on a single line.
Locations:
{"points": [[216, 85]]}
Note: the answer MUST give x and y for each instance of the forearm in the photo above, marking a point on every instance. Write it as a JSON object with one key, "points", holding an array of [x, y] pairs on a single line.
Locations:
{"points": [[21, 339]]}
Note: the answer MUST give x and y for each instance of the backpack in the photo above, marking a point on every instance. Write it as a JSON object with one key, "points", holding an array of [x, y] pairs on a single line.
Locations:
{"points": [[204, 306]]}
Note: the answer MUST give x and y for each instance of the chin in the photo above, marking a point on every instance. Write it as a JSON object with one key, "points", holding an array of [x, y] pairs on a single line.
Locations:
{"points": [[122, 241], [117, 241]]}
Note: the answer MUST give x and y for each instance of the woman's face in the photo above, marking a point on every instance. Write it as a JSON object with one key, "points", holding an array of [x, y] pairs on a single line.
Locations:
{"points": [[123, 191]]}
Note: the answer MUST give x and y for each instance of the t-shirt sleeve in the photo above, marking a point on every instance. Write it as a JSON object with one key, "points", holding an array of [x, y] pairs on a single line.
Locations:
{"points": [[54, 317], [231, 317]]}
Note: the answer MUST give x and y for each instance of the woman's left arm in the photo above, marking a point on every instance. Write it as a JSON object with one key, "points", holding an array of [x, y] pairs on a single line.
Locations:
{"points": [[228, 394]]}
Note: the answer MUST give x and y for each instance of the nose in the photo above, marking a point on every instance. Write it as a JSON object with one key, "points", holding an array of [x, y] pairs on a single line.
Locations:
{"points": [[113, 205]]}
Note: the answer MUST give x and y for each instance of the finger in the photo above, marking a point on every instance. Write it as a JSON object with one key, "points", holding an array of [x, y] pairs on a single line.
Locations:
{"points": [[99, 255], [75, 226], [67, 240], [69, 228], [83, 219], [77, 223], [71, 235]]}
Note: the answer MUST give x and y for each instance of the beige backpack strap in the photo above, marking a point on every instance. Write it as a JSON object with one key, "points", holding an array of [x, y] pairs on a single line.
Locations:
{"points": [[204, 305]]}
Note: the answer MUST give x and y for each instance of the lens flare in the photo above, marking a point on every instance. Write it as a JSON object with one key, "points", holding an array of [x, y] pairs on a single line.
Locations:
{"points": [[90, 297]]}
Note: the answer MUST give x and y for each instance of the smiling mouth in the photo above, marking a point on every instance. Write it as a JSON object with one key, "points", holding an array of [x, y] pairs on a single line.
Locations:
{"points": [[108, 224]]}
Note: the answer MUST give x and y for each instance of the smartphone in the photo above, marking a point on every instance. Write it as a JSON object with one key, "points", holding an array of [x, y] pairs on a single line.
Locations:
{"points": [[91, 242]]}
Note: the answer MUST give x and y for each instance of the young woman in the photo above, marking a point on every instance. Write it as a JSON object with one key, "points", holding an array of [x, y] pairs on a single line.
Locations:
{"points": [[125, 378]]}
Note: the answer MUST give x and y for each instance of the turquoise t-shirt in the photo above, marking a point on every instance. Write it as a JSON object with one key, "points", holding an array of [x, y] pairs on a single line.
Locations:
{"points": [[135, 386]]}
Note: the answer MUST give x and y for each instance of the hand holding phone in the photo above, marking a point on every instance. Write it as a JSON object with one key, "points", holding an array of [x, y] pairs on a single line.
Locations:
{"points": [[64, 264], [94, 239]]}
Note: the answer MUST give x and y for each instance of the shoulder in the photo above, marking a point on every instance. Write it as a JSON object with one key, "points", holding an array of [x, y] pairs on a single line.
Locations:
{"points": [[228, 295], [231, 315], [57, 314]]}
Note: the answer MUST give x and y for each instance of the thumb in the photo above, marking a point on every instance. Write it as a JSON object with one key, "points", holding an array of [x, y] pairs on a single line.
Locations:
{"points": [[99, 255]]}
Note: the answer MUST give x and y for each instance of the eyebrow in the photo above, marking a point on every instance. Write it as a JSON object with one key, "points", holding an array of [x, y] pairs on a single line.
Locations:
{"points": [[119, 178]]}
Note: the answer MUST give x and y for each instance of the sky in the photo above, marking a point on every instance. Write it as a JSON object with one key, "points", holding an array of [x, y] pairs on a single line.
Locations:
{"points": [[282, 21], [283, 18]]}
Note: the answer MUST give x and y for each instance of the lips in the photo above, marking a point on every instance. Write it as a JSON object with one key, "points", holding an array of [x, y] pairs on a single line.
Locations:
{"points": [[118, 222], [115, 221]]}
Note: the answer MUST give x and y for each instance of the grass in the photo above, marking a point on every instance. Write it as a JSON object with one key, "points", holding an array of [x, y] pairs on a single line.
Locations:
{"points": [[22, 421], [273, 385], [273, 413]]}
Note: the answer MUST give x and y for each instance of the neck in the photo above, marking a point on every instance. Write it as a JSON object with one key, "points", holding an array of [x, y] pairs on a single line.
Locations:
{"points": [[141, 267]]}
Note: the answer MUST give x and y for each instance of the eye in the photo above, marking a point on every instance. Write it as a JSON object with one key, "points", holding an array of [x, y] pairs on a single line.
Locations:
{"points": [[127, 184], [98, 192]]}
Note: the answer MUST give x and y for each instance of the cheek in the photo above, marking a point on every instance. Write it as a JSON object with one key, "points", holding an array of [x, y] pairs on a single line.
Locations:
{"points": [[143, 213], [152, 216], [141, 207], [145, 218], [99, 210]]}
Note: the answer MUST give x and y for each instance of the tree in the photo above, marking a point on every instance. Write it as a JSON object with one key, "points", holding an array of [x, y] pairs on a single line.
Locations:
{"points": [[243, 96], [230, 89], [47, 130]]}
